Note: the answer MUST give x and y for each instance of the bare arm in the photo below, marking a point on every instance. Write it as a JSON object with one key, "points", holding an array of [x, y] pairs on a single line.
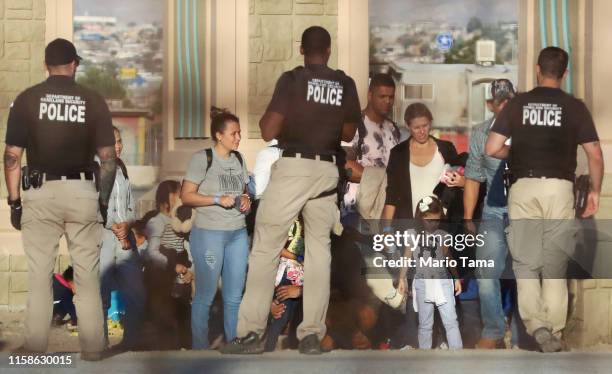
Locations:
{"points": [[470, 197], [495, 146], [452, 269], [596, 170], [348, 131], [108, 170], [271, 125], [12, 170], [388, 212], [356, 170], [190, 196]]}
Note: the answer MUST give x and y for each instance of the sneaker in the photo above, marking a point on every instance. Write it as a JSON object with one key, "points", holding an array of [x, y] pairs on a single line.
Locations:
{"points": [[310, 345], [250, 344], [91, 356], [486, 343], [547, 341]]}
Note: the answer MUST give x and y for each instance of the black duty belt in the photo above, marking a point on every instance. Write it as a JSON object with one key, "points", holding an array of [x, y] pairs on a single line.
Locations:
{"points": [[531, 173], [310, 155], [85, 175]]}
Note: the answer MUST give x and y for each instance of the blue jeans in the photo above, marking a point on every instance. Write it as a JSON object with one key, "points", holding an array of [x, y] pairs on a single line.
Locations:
{"points": [[447, 311], [276, 326], [121, 270], [217, 253], [495, 248]]}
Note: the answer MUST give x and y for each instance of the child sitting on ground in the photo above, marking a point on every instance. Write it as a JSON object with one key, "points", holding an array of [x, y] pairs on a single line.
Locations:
{"points": [[63, 293], [289, 282]]}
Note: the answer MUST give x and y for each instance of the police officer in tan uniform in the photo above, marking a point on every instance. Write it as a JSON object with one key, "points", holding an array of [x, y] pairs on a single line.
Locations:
{"points": [[545, 126], [62, 125], [313, 108]]}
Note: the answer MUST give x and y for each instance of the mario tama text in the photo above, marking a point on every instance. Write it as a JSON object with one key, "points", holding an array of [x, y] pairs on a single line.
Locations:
{"points": [[431, 262], [413, 239]]}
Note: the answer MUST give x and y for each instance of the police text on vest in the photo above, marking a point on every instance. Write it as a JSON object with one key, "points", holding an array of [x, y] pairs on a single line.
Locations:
{"points": [[542, 114], [324, 92], [62, 108]]}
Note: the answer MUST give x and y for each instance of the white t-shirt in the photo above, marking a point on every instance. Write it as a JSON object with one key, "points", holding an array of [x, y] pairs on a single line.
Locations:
{"points": [[378, 141], [263, 166], [423, 179]]}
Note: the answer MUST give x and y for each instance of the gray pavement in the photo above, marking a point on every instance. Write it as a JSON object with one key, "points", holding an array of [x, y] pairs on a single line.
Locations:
{"points": [[465, 361]]}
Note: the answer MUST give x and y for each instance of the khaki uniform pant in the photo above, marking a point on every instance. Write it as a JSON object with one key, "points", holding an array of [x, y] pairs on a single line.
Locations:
{"points": [[68, 208], [541, 237], [294, 183]]}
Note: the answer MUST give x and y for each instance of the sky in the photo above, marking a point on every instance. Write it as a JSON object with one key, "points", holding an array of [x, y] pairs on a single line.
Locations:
{"points": [[140, 11], [453, 11]]}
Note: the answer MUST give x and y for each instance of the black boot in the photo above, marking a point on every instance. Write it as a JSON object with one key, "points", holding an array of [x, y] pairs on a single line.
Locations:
{"points": [[250, 344], [310, 345]]}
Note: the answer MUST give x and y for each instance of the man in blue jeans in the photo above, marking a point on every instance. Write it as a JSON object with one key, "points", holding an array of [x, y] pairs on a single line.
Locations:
{"points": [[481, 168]]}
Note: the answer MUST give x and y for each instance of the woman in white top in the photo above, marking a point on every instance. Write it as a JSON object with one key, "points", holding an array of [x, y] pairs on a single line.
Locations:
{"points": [[415, 165]]}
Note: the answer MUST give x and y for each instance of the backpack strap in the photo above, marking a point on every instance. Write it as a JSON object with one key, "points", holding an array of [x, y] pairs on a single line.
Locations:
{"points": [[209, 159], [239, 157]]}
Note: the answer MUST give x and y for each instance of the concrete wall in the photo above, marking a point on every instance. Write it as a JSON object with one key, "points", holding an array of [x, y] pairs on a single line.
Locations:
{"points": [[22, 44], [275, 30]]}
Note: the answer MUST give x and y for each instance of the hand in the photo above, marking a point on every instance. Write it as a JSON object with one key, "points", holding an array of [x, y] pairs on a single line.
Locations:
{"points": [[592, 204], [402, 286], [470, 226], [121, 230], [180, 269], [188, 277], [16, 212], [245, 203], [226, 201], [288, 292], [125, 244], [456, 180], [458, 288], [277, 309]]}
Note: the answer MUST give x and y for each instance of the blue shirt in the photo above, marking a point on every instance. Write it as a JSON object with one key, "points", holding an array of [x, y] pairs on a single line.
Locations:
{"points": [[481, 167]]}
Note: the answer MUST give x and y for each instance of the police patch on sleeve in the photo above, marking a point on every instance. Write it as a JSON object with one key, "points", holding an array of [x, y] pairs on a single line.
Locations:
{"points": [[62, 108]]}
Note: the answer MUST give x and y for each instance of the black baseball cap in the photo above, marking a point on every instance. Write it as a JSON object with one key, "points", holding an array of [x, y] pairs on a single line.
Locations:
{"points": [[60, 52]]}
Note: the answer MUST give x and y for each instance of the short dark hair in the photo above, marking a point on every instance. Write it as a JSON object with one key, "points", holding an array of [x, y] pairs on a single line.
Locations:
{"points": [[553, 62], [381, 80], [219, 120], [68, 274], [315, 41], [416, 110]]}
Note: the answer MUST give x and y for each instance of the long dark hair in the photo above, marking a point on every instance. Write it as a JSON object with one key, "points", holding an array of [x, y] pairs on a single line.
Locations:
{"points": [[162, 195], [219, 120]]}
